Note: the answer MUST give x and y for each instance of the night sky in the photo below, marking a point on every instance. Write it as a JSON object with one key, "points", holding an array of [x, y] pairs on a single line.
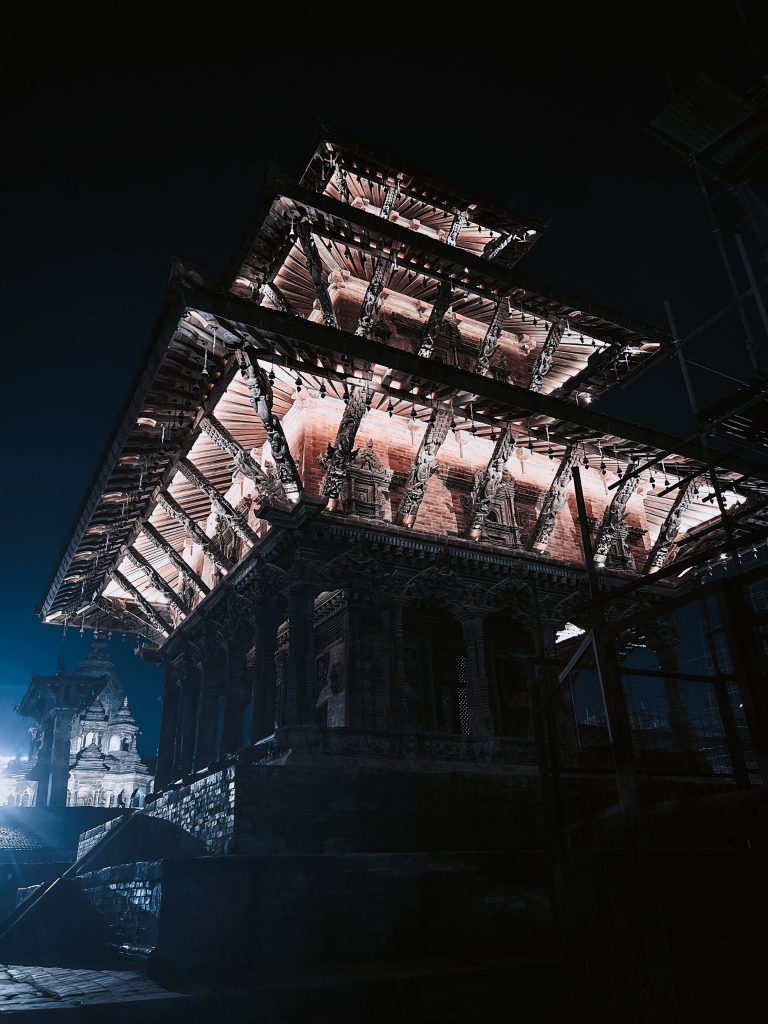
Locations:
{"points": [[117, 162]]}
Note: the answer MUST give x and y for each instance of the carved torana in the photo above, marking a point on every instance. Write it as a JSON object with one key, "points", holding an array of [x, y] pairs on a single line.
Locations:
{"points": [[543, 363], [315, 268], [423, 467], [555, 500], [194, 532], [670, 528], [340, 454], [261, 396], [220, 504], [440, 308]]}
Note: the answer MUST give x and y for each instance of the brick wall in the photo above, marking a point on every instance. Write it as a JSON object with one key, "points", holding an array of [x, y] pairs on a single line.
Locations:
{"points": [[204, 808], [128, 897]]}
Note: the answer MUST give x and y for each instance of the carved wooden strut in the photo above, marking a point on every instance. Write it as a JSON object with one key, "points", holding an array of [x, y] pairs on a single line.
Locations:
{"points": [[670, 528], [267, 485], [485, 489], [194, 532], [491, 339], [341, 453], [613, 519], [315, 268], [151, 615], [555, 501], [423, 467], [436, 317], [176, 558], [370, 306], [220, 505], [144, 565], [543, 363], [260, 391]]}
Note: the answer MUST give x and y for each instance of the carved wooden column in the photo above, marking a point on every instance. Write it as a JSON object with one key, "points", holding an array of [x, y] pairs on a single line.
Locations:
{"points": [[300, 670], [264, 680], [400, 689], [473, 627], [185, 739], [166, 748], [237, 690], [211, 678]]}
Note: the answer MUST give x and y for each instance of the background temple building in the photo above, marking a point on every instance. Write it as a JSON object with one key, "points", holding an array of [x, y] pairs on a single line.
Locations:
{"points": [[83, 746], [434, 631]]}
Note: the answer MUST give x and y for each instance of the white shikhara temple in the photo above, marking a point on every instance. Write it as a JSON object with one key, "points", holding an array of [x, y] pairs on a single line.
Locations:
{"points": [[83, 747]]}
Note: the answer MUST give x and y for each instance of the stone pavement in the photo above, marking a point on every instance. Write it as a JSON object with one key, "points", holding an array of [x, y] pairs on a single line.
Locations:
{"points": [[28, 992]]}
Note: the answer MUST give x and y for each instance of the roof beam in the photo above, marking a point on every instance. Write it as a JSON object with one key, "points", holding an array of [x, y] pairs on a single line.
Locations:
{"points": [[261, 396], [144, 565], [219, 503], [175, 558], [488, 484], [555, 500], [422, 468], [194, 532]]}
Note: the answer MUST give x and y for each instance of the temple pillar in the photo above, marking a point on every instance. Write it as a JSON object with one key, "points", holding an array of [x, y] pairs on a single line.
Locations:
{"points": [[237, 692], [264, 682], [300, 669], [473, 628], [166, 748], [185, 737], [59, 763], [399, 688], [207, 715]]}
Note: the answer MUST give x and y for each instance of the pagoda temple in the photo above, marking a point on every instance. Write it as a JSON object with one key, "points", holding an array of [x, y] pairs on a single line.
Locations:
{"points": [[365, 517]]}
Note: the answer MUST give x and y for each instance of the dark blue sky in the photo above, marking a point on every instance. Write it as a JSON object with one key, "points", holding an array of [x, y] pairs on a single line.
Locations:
{"points": [[113, 166]]}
